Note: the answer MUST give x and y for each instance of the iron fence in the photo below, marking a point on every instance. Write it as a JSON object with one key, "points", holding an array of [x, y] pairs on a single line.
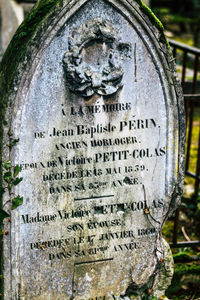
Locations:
{"points": [[188, 60]]}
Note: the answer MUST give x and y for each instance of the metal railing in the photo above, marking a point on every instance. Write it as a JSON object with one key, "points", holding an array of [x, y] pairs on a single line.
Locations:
{"points": [[187, 51], [188, 59]]}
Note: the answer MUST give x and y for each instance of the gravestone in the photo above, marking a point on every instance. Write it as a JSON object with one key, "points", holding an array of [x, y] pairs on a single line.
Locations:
{"points": [[90, 90]]}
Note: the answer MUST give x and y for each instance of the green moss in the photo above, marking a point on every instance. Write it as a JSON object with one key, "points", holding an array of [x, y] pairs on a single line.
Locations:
{"points": [[186, 279], [151, 15], [183, 269], [17, 49], [183, 257], [168, 230], [156, 22], [23, 35], [14, 55]]}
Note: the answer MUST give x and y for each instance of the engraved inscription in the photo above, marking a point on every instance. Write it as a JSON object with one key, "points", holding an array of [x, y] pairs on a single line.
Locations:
{"points": [[103, 164]]}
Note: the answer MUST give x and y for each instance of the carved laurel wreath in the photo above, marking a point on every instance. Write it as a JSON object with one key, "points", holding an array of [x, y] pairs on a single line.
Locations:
{"points": [[87, 79]]}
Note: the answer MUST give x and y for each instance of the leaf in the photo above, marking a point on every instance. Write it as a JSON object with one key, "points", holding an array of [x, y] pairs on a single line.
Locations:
{"points": [[3, 214], [17, 201], [7, 165], [17, 169], [8, 177], [17, 180], [13, 143], [10, 186]]}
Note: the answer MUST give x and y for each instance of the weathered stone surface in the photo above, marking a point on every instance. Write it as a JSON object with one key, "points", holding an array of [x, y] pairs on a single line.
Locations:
{"points": [[11, 17], [164, 276], [100, 123], [98, 70]]}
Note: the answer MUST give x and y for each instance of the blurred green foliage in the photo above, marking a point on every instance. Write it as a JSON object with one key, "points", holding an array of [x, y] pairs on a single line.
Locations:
{"points": [[184, 13]]}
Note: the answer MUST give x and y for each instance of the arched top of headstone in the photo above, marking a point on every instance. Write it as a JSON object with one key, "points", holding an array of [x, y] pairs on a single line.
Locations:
{"points": [[42, 24], [48, 16], [45, 21], [89, 88]]}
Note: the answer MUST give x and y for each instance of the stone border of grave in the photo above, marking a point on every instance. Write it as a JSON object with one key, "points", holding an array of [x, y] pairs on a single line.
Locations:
{"points": [[17, 71]]}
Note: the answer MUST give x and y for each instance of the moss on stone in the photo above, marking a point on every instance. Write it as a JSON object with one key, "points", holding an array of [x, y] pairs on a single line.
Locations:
{"points": [[13, 56], [151, 15], [23, 35], [155, 21], [17, 49]]}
